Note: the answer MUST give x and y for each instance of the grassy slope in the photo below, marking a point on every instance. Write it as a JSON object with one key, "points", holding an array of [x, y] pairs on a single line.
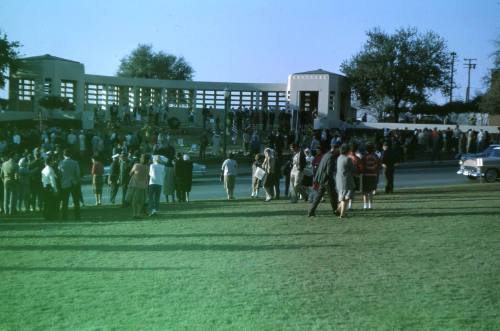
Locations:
{"points": [[423, 260]]}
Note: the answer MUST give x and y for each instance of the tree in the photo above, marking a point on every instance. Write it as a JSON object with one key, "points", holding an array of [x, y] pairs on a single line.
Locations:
{"points": [[403, 67], [143, 62], [9, 58], [490, 101]]}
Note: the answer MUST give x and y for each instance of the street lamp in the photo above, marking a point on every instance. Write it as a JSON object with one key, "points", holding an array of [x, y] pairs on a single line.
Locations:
{"points": [[226, 102]]}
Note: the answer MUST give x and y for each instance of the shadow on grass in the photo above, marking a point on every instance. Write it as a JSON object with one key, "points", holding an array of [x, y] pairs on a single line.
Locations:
{"points": [[427, 198], [160, 248], [258, 215], [153, 236], [86, 269], [455, 190], [379, 213]]}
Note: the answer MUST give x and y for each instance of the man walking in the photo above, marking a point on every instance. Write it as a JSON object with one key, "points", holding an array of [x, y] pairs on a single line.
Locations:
{"points": [[70, 184], [325, 177]]}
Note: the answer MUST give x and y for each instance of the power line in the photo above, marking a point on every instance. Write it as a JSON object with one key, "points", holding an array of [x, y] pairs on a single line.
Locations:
{"points": [[453, 54], [469, 65]]}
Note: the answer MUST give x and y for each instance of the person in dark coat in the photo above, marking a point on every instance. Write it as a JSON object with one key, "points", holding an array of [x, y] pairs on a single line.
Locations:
{"points": [[124, 179], [389, 162], [70, 181], [187, 176], [114, 177], [183, 177], [325, 178]]}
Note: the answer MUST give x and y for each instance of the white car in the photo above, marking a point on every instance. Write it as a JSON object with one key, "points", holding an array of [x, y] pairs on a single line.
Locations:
{"points": [[486, 165]]}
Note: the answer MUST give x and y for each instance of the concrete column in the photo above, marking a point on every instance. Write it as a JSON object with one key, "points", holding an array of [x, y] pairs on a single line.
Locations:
{"points": [[78, 95]]}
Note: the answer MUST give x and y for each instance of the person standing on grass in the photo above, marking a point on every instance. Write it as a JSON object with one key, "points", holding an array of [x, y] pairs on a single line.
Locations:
{"points": [[114, 178], [169, 181], [180, 178], [389, 162], [187, 176], [370, 168], [36, 167], [9, 174], [297, 174], [156, 180], [49, 191], [229, 170], [70, 184], [324, 176], [138, 185], [269, 166], [124, 178], [97, 173], [259, 158], [24, 185], [356, 161], [344, 179]]}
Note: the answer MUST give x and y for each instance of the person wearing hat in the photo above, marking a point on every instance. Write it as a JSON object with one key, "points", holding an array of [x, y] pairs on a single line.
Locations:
{"points": [[114, 177]]}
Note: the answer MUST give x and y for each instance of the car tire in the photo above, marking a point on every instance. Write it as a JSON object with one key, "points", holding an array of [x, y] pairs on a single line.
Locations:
{"points": [[472, 177], [491, 176]]}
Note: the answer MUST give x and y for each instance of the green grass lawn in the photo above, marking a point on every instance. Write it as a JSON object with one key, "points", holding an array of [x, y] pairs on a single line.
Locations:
{"points": [[425, 259]]}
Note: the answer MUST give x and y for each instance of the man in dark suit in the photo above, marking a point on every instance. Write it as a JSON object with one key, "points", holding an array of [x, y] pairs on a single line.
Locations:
{"points": [[70, 184], [325, 178], [389, 161]]}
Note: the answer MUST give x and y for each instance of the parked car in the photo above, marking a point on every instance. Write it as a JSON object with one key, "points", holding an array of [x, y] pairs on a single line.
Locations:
{"points": [[485, 165], [484, 153], [430, 119]]}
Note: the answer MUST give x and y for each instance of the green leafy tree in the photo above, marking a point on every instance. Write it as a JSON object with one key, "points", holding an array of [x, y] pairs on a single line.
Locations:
{"points": [[404, 67], [143, 62], [9, 58], [490, 101]]}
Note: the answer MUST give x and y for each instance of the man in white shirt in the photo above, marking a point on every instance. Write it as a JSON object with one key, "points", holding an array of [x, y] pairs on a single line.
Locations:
{"points": [[50, 203], [229, 170], [156, 178]]}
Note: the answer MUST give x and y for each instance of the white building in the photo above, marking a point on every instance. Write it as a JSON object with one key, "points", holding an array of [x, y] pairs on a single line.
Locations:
{"points": [[47, 75]]}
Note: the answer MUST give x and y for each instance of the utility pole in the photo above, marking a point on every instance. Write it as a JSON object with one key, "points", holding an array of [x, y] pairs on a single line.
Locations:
{"points": [[469, 65], [453, 54]]}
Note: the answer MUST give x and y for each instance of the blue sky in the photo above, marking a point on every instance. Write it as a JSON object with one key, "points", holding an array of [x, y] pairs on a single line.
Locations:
{"points": [[245, 41]]}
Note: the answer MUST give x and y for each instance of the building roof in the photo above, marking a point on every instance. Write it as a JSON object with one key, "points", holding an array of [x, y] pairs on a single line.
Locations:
{"points": [[47, 57], [315, 72]]}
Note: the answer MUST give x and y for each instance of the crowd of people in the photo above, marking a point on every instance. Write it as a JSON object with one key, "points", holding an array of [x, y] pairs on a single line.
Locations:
{"points": [[44, 168], [337, 168], [341, 164]]}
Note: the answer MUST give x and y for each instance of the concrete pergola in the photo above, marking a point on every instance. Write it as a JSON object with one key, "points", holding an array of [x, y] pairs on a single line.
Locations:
{"points": [[44, 75]]}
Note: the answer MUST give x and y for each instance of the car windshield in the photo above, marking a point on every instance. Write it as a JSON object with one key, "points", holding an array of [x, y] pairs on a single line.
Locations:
{"points": [[489, 151], [494, 153]]}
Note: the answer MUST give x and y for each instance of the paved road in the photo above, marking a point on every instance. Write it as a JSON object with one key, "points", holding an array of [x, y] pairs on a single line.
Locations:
{"points": [[210, 188]]}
